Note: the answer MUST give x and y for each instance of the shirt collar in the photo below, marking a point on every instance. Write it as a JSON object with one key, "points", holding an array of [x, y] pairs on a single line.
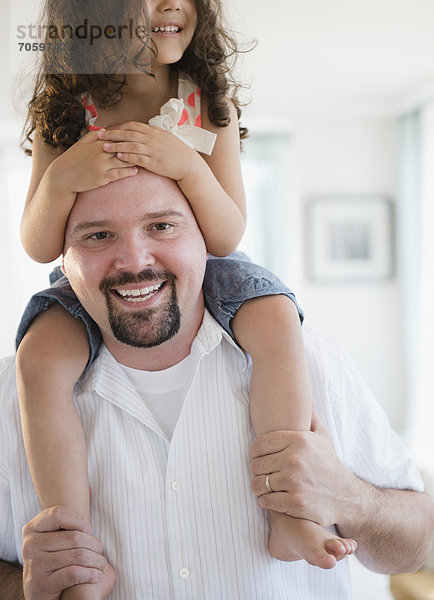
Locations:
{"points": [[107, 377], [210, 335]]}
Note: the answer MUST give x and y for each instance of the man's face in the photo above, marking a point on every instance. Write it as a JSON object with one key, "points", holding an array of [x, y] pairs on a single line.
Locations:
{"points": [[135, 257]]}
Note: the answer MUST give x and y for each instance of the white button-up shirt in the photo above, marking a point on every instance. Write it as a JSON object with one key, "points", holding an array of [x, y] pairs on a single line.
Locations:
{"points": [[178, 520]]}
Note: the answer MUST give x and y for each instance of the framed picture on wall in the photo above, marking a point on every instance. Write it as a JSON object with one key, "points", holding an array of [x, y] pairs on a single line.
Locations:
{"points": [[350, 238]]}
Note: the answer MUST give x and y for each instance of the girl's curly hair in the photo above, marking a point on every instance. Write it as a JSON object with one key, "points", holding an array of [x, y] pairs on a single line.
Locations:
{"points": [[64, 75]]}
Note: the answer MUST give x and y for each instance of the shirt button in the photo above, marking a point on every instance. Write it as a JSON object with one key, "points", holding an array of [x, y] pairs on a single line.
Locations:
{"points": [[184, 573], [175, 486]]}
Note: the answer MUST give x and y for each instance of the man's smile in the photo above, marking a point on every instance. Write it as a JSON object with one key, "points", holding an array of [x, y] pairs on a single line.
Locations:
{"points": [[139, 294]]}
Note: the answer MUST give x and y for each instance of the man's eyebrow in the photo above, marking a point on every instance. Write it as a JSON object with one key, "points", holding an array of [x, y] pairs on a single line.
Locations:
{"points": [[89, 225], [80, 227], [163, 213]]}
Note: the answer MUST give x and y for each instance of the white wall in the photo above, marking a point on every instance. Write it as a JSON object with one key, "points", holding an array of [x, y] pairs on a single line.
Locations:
{"points": [[350, 156], [8, 79]]}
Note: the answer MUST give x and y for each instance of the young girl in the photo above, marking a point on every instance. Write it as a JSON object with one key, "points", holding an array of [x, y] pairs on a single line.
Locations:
{"points": [[93, 129]]}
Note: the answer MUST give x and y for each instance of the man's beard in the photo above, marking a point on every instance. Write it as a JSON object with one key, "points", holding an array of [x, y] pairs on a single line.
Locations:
{"points": [[146, 327]]}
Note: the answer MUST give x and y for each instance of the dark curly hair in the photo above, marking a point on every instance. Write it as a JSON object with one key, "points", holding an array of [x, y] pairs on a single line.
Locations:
{"points": [[64, 75]]}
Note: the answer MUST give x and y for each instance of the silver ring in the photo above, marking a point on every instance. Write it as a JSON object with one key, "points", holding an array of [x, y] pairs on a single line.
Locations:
{"points": [[268, 484]]}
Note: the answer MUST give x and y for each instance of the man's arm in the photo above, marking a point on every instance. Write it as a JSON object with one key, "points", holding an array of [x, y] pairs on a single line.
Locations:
{"points": [[392, 527], [11, 582]]}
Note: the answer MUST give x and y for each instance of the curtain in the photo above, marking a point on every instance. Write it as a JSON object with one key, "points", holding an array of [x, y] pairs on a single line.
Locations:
{"points": [[424, 395], [416, 261], [272, 220]]}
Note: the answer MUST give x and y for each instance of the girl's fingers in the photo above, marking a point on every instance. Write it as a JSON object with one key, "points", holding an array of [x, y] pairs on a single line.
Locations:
{"points": [[120, 135], [124, 136], [130, 147], [116, 162], [115, 174], [136, 159]]}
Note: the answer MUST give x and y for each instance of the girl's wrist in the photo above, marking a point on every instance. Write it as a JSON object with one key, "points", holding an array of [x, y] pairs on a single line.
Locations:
{"points": [[57, 181], [195, 167]]}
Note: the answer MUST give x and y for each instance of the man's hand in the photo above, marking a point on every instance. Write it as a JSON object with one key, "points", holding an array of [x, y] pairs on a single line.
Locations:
{"points": [[59, 552], [307, 477], [392, 527]]}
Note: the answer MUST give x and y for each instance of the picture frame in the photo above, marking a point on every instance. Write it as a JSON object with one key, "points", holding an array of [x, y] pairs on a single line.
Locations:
{"points": [[350, 238]]}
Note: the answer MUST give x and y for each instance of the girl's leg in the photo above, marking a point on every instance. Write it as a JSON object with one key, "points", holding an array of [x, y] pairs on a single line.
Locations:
{"points": [[268, 328], [50, 360]]}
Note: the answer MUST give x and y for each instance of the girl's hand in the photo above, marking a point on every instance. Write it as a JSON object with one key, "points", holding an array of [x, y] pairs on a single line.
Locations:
{"points": [[56, 179], [85, 166], [150, 147]]}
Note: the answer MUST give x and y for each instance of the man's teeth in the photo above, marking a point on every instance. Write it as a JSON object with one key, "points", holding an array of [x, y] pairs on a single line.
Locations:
{"points": [[139, 294], [167, 28]]}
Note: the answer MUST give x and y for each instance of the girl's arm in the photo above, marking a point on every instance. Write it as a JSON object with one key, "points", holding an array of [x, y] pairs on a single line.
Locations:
{"points": [[45, 208], [50, 359], [213, 184], [56, 179], [222, 216]]}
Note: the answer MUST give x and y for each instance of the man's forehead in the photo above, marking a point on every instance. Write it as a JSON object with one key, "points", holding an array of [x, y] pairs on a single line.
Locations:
{"points": [[141, 197]]}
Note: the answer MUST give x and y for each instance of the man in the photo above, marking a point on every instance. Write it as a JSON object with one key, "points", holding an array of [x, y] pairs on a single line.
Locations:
{"points": [[170, 480]]}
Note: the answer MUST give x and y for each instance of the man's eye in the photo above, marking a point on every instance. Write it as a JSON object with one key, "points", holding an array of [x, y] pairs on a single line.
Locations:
{"points": [[100, 235], [162, 226]]}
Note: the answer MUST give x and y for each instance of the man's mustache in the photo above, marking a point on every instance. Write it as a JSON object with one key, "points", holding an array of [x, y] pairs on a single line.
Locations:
{"points": [[108, 283]]}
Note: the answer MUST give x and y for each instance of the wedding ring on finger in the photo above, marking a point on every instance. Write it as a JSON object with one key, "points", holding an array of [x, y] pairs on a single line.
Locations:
{"points": [[268, 484]]}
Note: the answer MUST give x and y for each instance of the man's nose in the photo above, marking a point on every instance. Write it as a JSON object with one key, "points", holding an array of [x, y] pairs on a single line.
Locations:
{"points": [[134, 254]]}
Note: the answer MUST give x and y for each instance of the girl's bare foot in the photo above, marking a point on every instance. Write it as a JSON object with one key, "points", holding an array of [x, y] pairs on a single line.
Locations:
{"points": [[295, 539]]}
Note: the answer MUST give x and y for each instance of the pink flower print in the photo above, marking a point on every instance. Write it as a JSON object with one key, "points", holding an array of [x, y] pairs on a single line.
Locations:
{"points": [[192, 100], [184, 117]]}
